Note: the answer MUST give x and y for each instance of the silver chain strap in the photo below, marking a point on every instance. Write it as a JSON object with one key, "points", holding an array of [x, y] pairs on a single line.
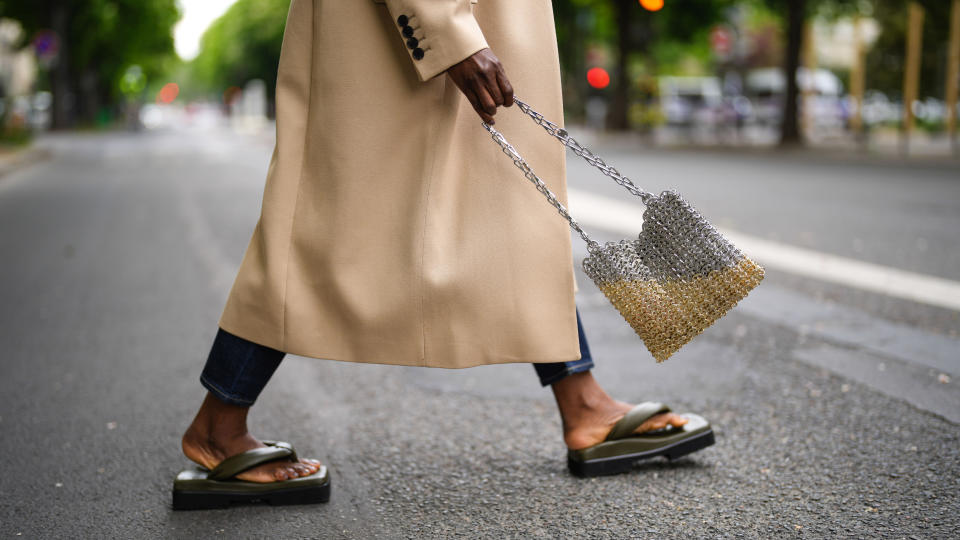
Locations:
{"points": [[578, 149], [561, 135], [521, 164]]}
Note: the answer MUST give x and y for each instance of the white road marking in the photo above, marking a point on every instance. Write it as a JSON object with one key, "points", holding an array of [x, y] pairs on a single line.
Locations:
{"points": [[627, 218]]}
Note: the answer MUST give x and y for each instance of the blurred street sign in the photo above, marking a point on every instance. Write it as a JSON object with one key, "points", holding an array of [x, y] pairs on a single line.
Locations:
{"points": [[721, 40], [46, 44]]}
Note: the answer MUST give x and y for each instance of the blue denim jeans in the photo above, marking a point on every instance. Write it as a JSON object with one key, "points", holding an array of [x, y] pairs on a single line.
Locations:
{"points": [[237, 370]]}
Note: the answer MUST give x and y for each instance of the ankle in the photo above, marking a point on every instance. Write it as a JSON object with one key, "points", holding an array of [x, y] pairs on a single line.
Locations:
{"points": [[218, 421], [580, 395]]}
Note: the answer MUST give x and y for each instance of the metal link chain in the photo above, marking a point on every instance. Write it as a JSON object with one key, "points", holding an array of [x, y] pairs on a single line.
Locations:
{"points": [[518, 160], [561, 135], [673, 280], [578, 149]]}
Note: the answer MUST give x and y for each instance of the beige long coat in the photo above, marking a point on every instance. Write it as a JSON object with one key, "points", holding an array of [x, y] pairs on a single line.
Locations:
{"points": [[393, 230]]}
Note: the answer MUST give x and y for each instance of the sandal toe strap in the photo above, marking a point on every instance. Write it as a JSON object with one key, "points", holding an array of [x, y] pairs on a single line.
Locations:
{"points": [[282, 444], [245, 461], [634, 418]]}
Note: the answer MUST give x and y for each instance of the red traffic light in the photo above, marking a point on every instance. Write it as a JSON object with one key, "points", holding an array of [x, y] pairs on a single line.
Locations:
{"points": [[598, 77]]}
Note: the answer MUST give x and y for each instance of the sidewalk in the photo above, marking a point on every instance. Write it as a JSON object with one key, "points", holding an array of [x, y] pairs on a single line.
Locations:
{"points": [[15, 157], [882, 147]]}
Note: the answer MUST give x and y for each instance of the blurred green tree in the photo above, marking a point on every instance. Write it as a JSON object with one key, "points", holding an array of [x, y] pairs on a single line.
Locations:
{"points": [[241, 45], [797, 13], [98, 40], [886, 59]]}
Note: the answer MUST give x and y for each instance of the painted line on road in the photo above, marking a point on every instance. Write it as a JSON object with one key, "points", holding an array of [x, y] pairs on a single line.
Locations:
{"points": [[627, 218]]}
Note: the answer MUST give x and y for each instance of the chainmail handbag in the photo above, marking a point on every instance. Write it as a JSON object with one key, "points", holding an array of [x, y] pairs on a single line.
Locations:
{"points": [[673, 281]]}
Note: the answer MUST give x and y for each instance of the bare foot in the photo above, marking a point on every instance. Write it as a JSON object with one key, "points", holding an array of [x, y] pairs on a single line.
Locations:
{"points": [[589, 414], [220, 431]]}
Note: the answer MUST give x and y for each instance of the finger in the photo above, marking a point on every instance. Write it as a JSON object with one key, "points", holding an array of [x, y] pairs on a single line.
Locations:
{"points": [[486, 117], [486, 102], [493, 88], [475, 103], [506, 89]]}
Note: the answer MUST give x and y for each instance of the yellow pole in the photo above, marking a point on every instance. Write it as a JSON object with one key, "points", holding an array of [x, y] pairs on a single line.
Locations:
{"points": [[911, 73], [857, 77], [810, 63], [953, 67]]}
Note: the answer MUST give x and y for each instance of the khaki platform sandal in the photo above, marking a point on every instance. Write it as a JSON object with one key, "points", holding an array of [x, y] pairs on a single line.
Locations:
{"points": [[622, 449], [202, 489]]}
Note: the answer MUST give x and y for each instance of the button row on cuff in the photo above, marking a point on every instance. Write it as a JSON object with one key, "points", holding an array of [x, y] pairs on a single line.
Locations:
{"points": [[412, 43]]}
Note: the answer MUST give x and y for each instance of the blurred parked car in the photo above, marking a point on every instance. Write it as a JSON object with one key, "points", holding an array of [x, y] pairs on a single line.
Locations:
{"points": [[691, 101], [767, 87]]}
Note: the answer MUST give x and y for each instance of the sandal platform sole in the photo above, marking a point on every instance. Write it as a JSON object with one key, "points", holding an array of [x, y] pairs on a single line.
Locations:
{"points": [[620, 464], [206, 500]]}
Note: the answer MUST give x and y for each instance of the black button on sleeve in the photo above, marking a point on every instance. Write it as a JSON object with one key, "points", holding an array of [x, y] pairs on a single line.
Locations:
{"points": [[418, 53], [408, 31], [402, 20], [412, 43]]}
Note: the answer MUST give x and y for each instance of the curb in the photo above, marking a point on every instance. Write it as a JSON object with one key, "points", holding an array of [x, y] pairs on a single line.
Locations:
{"points": [[19, 159]]}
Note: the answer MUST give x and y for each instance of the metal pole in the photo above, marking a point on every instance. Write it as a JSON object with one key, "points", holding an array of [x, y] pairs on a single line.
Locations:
{"points": [[809, 89], [911, 73], [858, 78], [953, 73]]}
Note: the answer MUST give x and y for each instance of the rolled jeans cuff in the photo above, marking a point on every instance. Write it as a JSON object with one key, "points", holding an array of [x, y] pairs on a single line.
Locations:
{"points": [[225, 396], [556, 371], [237, 370]]}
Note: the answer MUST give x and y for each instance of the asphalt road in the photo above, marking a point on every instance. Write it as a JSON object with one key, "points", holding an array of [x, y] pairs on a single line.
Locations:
{"points": [[836, 410]]}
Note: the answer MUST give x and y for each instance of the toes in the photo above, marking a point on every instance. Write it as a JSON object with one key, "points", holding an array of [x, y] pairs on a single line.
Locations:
{"points": [[658, 423], [661, 421], [295, 470]]}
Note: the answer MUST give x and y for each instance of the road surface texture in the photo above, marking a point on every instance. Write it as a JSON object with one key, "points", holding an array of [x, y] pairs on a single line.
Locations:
{"points": [[836, 408]]}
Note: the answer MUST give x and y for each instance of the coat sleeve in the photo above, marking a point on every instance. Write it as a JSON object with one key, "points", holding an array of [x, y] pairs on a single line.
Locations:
{"points": [[436, 33]]}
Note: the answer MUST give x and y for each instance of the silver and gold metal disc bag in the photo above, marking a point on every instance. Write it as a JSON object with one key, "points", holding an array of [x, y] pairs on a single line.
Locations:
{"points": [[673, 281]]}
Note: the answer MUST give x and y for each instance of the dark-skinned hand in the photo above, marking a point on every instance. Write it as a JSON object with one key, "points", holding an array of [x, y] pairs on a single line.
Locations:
{"points": [[481, 78]]}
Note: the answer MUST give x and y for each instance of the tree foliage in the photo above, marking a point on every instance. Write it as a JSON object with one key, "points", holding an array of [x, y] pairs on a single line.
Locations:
{"points": [[887, 57], [241, 45], [98, 41]]}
